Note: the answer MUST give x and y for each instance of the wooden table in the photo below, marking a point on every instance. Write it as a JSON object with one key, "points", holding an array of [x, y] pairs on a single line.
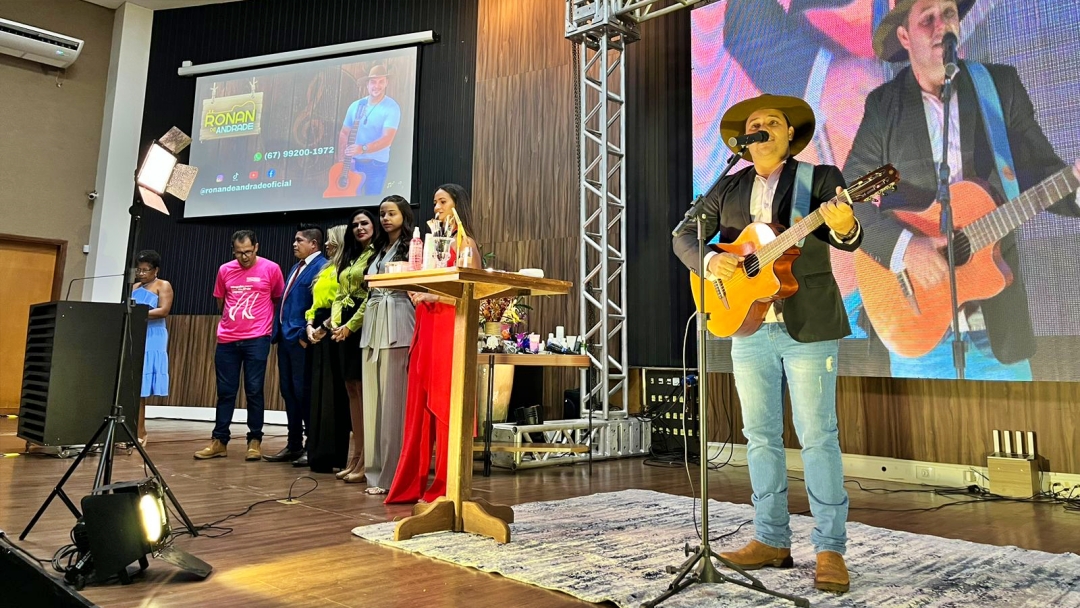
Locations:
{"points": [[522, 360], [458, 511]]}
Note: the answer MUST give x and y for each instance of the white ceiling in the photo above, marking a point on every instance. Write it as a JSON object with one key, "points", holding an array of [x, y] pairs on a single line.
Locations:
{"points": [[157, 4]]}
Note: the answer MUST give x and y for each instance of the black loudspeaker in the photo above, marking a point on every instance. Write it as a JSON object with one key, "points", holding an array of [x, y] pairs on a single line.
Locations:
{"points": [[24, 583], [71, 368]]}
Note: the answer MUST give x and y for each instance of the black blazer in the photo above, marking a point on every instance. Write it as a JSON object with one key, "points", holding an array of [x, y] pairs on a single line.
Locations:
{"points": [[893, 130], [816, 311]]}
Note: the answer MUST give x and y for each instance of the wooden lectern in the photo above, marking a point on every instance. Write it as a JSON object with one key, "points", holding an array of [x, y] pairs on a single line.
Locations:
{"points": [[458, 511]]}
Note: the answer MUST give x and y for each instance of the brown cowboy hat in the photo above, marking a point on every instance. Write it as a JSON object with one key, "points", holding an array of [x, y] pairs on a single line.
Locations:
{"points": [[377, 71], [798, 112], [887, 45]]}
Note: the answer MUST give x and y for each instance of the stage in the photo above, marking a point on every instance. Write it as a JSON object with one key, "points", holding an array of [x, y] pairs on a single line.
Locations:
{"points": [[305, 555]]}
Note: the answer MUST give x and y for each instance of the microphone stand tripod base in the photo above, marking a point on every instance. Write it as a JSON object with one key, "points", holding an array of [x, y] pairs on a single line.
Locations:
{"points": [[707, 573]]}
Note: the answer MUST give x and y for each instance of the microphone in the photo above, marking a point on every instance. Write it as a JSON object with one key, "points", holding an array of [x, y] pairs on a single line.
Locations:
{"points": [[100, 276], [746, 140], [949, 56]]}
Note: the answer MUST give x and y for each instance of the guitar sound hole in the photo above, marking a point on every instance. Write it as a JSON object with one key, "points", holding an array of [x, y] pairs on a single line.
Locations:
{"points": [[752, 265], [961, 248]]}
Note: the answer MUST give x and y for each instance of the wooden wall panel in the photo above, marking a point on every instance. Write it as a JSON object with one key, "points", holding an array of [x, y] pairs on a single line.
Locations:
{"points": [[933, 420], [192, 380], [524, 173]]}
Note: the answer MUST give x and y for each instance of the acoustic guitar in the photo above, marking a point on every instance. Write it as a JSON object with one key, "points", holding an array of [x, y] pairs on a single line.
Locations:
{"points": [[343, 181], [911, 319], [737, 306]]}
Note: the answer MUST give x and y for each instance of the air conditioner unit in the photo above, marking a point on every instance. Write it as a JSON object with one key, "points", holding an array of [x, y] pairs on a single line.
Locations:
{"points": [[38, 45]]}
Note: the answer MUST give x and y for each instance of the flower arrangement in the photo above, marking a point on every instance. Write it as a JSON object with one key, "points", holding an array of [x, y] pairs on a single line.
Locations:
{"points": [[505, 312]]}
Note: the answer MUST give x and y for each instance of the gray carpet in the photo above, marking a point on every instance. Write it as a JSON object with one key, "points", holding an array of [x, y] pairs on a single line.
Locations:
{"points": [[615, 547]]}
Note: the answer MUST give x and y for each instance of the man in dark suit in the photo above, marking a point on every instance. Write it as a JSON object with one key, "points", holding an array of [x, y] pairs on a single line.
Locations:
{"points": [[902, 125], [798, 339], [290, 335]]}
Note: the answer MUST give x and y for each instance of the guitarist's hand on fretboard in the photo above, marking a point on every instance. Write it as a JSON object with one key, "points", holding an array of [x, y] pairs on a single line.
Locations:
{"points": [[838, 215], [723, 265]]}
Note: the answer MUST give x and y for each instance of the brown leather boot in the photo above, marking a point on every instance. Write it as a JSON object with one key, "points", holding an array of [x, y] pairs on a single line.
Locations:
{"points": [[832, 574], [216, 449], [757, 555]]}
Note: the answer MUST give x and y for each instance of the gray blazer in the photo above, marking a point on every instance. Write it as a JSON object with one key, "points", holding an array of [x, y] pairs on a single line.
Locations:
{"points": [[390, 317]]}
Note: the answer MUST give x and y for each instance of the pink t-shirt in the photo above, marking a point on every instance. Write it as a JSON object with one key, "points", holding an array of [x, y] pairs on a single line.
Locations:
{"points": [[250, 297]]}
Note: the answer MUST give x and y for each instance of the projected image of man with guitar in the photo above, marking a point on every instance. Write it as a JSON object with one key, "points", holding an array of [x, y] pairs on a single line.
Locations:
{"points": [[997, 153], [778, 297], [366, 135]]}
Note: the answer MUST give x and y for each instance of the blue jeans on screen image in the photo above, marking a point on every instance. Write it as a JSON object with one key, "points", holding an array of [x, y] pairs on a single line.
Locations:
{"points": [[230, 359], [374, 175], [760, 361], [980, 363]]}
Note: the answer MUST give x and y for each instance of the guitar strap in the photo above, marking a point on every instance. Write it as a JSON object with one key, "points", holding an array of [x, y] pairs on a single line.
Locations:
{"points": [[800, 205], [994, 119]]}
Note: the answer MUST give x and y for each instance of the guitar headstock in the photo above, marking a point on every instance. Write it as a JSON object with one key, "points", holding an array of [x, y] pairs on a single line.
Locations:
{"points": [[880, 181]]}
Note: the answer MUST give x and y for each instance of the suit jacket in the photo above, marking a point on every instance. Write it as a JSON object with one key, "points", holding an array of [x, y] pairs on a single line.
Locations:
{"points": [[816, 311], [894, 130], [291, 324]]}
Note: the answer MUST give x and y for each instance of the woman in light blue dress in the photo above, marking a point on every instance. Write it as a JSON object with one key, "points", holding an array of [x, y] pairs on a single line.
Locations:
{"points": [[158, 295]]}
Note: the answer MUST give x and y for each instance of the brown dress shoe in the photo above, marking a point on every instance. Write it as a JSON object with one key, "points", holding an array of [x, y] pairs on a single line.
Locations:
{"points": [[832, 574], [757, 555]]}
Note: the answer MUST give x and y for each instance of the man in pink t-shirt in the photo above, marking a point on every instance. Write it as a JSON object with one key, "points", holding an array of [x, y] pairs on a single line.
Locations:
{"points": [[248, 291]]}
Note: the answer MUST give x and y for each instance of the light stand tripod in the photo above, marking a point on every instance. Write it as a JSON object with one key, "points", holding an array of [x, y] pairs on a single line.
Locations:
{"points": [[707, 572], [113, 420]]}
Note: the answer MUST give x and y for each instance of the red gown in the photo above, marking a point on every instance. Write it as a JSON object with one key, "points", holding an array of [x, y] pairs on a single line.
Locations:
{"points": [[427, 406]]}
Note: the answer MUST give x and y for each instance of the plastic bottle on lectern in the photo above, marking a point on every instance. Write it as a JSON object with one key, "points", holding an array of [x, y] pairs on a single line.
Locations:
{"points": [[416, 250]]}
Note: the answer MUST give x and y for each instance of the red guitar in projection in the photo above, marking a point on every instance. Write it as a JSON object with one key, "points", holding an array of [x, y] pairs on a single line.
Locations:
{"points": [[343, 181], [911, 319], [737, 306]]}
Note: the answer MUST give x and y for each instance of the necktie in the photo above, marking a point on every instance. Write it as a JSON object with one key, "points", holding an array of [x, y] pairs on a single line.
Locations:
{"points": [[292, 279]]}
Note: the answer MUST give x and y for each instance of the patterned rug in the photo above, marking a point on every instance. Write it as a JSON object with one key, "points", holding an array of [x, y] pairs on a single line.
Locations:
{"points": [[616, 547]]}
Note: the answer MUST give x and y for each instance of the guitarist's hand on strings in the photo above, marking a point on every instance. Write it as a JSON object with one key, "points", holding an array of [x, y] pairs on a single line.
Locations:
{"points": [[723, 265], [924, 260], [838, 216]]}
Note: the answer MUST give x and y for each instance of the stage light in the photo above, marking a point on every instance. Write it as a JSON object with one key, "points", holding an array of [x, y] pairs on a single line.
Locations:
{"points": [[124, 523], [162, 173], [154, 520]]}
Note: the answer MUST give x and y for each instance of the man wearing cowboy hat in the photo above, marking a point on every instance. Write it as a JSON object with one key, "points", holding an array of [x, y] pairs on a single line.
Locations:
{"points": [[799, 338], [902, 125], [375, 119]]}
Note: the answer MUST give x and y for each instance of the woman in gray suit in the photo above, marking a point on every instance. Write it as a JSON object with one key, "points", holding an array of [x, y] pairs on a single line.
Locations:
{"points": [[384, 344]]}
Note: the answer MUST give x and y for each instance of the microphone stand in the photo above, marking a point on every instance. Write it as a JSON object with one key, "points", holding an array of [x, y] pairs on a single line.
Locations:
{"points": [[707, 572], [948, 229]]}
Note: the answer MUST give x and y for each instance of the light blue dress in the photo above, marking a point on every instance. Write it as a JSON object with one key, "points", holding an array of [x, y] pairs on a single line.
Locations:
{"points": [[155, 382]]}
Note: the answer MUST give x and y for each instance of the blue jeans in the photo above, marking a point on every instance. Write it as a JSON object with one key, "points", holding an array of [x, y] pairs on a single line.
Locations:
{"points": [[374, 175], [979, 360], [760, 362], [295, 381], [229, 359]]}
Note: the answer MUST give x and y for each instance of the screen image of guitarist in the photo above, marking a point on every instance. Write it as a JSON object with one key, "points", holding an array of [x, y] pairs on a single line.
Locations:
{"points": [[872, 71], [366, 135]]}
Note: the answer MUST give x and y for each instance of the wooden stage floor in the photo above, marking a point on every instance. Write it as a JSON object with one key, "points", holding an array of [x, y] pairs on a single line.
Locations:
{"points": [[304, 555]]}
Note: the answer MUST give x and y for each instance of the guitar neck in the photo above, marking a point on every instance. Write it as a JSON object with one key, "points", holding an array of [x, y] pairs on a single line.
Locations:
{"points": [[351, 141], [995, 225], [790, 237]]}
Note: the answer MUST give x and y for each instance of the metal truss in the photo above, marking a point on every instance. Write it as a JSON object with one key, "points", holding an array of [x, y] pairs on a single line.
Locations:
{"points": [[600, 31]]}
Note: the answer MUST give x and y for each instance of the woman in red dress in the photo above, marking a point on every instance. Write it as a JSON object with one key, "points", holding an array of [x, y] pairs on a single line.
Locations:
{"points": [[427, 406]]}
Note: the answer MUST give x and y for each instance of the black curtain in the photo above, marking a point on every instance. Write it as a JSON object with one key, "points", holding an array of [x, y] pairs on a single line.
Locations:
{"points": [[659, 183]]}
